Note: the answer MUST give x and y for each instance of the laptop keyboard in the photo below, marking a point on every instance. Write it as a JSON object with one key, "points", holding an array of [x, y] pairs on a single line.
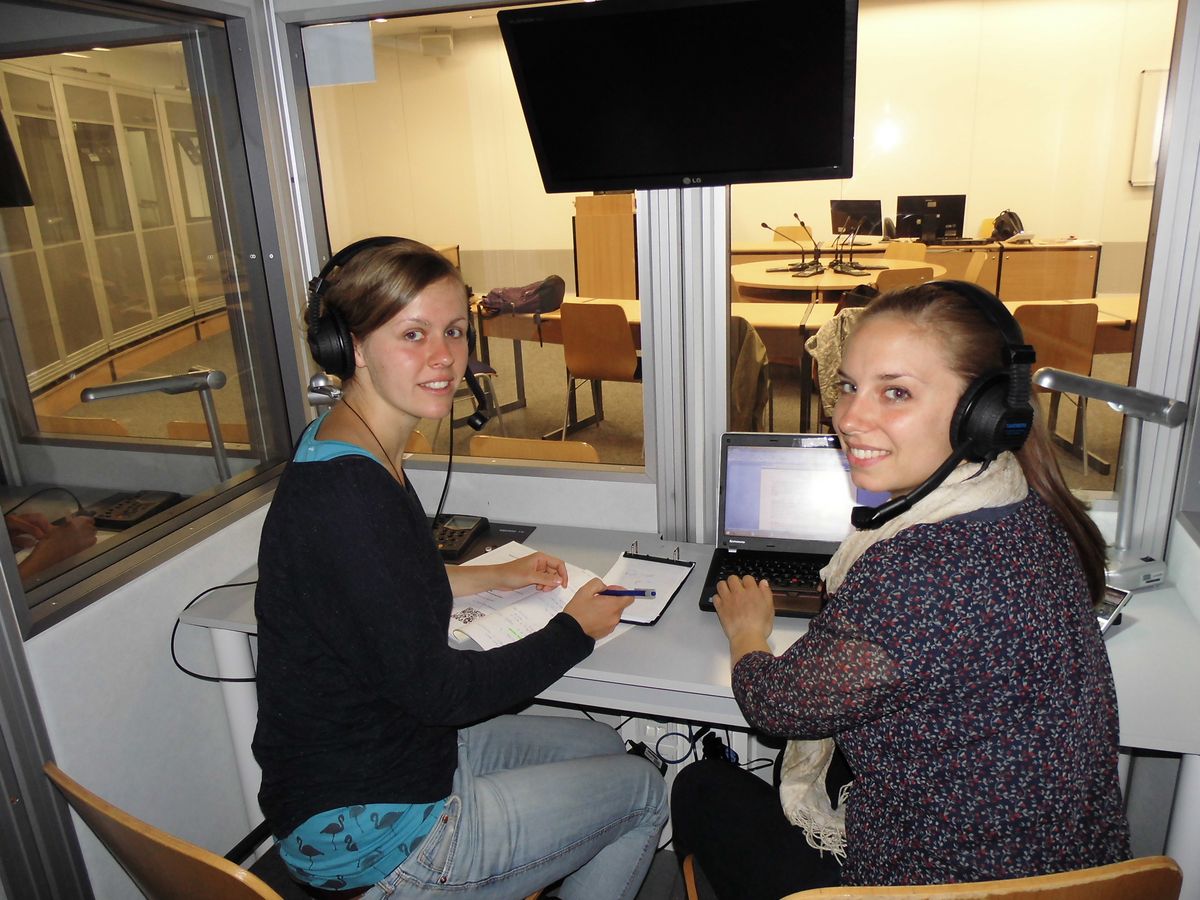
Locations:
{"points": [[785, 572]]}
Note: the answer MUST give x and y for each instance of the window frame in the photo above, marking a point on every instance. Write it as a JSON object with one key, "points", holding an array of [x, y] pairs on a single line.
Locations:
{"points": [[236, 124]]}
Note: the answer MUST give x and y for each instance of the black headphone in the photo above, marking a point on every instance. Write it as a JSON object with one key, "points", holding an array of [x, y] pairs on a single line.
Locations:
{"points": [[993, 415], [329, 337]]}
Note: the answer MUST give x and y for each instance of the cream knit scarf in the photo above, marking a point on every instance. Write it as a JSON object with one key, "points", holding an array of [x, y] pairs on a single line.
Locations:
{"points": [[802, 790]]}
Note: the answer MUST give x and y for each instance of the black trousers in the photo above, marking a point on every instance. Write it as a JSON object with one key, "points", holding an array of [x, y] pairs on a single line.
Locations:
{"points": [[732, 822]]}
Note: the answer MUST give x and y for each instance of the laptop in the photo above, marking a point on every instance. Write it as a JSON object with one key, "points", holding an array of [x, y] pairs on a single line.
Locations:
{"points": [[783, 508]]}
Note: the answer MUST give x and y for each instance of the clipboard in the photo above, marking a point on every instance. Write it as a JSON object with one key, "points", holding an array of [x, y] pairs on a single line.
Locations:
{"points": [[663, 576]]}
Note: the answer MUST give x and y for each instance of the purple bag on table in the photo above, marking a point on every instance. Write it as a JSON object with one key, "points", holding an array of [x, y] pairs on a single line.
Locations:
{"points": [[540, 297]]}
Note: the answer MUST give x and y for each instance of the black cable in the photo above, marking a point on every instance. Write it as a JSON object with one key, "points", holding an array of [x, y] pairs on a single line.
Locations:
{"points": [[437, 517], [175, 659], [45, 490]]}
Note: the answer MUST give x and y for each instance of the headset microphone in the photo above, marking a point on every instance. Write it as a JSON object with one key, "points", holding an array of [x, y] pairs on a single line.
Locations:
{"points": [[871, 517]]}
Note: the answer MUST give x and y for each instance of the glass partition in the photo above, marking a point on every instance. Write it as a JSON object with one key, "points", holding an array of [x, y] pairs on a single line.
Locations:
{"points": [[124, 284]]}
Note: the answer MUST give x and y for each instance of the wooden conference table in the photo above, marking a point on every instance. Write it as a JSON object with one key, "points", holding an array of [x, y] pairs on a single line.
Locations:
{"points": [[678, 669], [764, 275]]}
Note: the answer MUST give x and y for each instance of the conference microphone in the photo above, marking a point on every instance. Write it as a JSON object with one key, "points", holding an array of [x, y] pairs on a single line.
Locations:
{"points": [[816, 268], [871, 517], [803, 264], [846, 266]]}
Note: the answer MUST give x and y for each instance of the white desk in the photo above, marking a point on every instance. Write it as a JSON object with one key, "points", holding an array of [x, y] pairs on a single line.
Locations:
{"points": [[679, 670]]}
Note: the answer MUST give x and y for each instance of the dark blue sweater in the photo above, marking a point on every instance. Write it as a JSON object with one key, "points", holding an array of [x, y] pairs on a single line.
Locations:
{"points": [[961, 671], [360, 697]]}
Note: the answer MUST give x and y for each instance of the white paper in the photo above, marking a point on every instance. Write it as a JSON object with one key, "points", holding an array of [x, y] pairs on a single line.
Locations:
{"points": [[664, 578], [495, 618]]}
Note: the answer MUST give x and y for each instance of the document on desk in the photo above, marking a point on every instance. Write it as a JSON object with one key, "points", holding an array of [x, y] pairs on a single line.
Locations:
{"points": [[662, 576], [495, 618]]}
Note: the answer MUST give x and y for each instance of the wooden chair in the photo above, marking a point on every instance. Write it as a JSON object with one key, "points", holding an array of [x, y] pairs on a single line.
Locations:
{"points": [[597, 347], [890, 279], [532, 448], [232, 432], [1064, 337], [913, 250], [975, 266], [791, 233], [163, 866], [1145, 878], [418, 443], [81, 425]]}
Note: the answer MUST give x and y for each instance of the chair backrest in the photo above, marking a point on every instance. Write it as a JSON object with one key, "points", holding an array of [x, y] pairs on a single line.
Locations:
{"points": [[597, 342], [792, 233], [749, 378], [913, 250], [890, 279], [532, 448], [81, 425], [418, 443], [1145, 878], [231, 432], [975, 266], [163, 866], [1062, 334]]}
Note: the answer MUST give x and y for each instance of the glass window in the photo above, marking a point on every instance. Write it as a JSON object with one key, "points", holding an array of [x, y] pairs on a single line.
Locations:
{"points": [[144, 381], [437, 149], [1050, 142]]}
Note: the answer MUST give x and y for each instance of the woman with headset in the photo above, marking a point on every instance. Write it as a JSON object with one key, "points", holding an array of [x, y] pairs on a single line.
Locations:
{"points": [[388, 769], [957, 664]]}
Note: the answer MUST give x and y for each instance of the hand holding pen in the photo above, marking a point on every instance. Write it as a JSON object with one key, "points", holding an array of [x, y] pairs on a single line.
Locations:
{"points": [[595, 609]]}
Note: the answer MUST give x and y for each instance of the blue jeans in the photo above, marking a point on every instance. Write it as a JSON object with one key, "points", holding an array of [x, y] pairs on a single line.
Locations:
{"points": [[536, 799]]}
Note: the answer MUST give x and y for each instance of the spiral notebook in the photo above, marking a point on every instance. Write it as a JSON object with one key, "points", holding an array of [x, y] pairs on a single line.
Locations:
{"points": [[663, 576]]}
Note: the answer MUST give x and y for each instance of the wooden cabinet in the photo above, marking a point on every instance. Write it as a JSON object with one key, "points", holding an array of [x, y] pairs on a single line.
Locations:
{"points": [[1048, 272], [956, 259], [606, 246]]}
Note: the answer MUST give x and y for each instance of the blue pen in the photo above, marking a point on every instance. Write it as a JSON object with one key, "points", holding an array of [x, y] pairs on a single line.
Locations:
{"points": [[638, 592]]}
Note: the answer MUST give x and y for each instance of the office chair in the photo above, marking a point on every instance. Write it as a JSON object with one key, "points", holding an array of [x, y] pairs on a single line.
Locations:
{"points": [[532, 448], [1064, 337], [597, 346], [1145, 878], [418, 443], [890, 279]]}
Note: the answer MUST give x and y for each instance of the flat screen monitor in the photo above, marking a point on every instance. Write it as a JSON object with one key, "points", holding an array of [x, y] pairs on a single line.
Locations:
{"points": [[865, 215], [932, 217], [632, 94]]}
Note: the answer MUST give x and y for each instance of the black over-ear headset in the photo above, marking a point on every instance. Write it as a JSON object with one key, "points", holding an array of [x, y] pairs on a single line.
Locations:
{"points": [[994, 414], [329, 337]]}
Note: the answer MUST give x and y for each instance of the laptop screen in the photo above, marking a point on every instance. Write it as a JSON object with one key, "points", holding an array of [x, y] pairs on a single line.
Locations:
{"points": [[785, 492]]}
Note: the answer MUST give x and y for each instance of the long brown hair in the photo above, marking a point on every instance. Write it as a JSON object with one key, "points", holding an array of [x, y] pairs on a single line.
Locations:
{"points": [[376, 284], [972, 344]]}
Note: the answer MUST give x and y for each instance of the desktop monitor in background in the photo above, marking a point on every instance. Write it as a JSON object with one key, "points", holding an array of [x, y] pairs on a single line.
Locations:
{"points": [[634, 94], [930, 218], [846, 215]]}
